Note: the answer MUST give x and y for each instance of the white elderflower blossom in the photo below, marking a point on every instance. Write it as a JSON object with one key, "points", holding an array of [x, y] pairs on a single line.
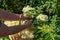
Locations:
{"points": [[42, 17], [27, 8], [24, 37]]}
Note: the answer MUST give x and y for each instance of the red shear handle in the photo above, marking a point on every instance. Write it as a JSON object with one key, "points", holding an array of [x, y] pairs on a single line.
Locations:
{"points": [[5, 15]]}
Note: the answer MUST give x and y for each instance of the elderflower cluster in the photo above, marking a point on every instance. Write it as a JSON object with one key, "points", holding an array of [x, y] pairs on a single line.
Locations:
{"points": [[27, 34], [42, 17], [27, 8], [11, 23]]}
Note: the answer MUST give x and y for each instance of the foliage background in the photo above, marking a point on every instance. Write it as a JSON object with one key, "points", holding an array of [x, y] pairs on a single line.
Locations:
{"points": [[54, 14]]}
